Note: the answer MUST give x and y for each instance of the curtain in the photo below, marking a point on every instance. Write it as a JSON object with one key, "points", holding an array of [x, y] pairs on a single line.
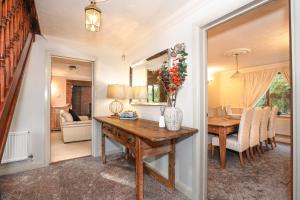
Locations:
{"points": [[286, 73], [256, 85]]}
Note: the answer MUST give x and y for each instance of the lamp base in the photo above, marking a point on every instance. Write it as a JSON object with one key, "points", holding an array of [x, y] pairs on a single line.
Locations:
{"points": [[116, 107]]}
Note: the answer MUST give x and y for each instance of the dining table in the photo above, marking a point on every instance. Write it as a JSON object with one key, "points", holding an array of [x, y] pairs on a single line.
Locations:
{"points": [[223, 126]]}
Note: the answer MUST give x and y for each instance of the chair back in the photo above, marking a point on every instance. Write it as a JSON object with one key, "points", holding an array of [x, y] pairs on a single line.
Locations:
{"points": [[255, 127], [263, 132], [271, 128], [244, 128], [228, 110], [212, 112], [221, 111]]}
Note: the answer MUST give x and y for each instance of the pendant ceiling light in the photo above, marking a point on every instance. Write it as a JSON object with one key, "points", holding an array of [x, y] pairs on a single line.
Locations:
{"points": [[236, 53], [92, 17], [236, 74]]}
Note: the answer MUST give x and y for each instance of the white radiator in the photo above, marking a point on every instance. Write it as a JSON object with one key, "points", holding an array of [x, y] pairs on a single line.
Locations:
{"points": [[17, 147]]}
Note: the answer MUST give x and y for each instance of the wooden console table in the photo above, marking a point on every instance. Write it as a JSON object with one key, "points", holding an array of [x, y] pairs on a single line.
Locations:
{"points": [[143, 138]]}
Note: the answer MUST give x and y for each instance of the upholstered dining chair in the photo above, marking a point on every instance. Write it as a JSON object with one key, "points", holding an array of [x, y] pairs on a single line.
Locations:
{"points": [[239, 143], [254, 131], [271, 128], [263, 132]]}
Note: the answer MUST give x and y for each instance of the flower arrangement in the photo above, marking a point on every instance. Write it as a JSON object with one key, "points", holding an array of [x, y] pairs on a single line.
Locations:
{"points": [[172, 76]]}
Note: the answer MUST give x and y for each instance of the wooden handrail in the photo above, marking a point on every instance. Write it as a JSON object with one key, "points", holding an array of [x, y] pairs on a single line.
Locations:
{"points": [[18, 26]]}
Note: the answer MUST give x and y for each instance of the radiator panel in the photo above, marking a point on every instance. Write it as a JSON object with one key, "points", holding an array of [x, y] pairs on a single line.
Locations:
{"points": [[17, 147]]}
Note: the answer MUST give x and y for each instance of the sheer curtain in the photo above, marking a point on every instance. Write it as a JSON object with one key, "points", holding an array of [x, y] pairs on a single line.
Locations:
{"points": [[256, 85], [286, 73]]}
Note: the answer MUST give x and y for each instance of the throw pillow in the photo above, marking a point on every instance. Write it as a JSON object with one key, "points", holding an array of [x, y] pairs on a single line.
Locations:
{"points": [[67, 116], [74, 115]]}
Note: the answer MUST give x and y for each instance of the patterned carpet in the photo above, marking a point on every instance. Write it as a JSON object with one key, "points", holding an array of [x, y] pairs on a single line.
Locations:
{"points": [[266, 178], [82, 179]]}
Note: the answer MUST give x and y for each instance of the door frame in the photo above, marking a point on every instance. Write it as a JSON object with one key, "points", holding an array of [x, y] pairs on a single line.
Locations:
{"points": [[295, 60], [47, 108], [200, 83]]}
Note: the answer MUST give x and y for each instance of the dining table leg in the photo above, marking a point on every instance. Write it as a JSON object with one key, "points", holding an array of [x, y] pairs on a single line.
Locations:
{"points": [[222, 141]]}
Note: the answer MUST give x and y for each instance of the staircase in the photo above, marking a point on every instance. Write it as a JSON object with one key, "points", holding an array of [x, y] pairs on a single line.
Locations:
{"points": [[18, 26]]}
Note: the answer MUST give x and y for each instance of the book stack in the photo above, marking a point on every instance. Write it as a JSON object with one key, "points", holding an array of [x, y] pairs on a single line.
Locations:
{"points": [[128, 115]]}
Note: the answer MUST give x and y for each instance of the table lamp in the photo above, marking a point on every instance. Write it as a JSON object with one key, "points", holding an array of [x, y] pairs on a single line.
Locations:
{"points": [[116, 92], [139, 92]]}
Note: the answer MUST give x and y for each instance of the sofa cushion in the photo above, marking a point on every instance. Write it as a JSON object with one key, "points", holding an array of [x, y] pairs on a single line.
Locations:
{"points": [[67, 116], [84, 118], [74, 115], [77, 123]]}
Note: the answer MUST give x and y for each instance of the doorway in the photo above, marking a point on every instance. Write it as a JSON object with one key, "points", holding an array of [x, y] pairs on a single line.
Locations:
{"points": [[202, 141], [249, 66], [71, 108]]}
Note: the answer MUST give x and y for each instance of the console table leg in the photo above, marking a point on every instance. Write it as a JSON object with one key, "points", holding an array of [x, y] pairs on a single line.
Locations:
{"points": [[103, 149], [171, 170], [139, 170], [126, 153]]}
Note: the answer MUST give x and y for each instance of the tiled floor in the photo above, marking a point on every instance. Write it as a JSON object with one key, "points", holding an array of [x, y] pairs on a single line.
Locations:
{"points": [[266, 178], [61, 151], [82, 179]]}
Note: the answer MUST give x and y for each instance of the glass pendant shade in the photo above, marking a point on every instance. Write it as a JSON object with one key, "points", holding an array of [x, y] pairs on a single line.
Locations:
{"points": [[92, 17], [237, 74]]}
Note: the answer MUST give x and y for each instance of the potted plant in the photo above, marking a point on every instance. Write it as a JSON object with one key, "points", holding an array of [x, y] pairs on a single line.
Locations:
{"points": [[171, 77]]}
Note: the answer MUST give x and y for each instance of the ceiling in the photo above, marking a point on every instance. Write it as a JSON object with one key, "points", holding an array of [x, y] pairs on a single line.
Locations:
{"points": [[122, 20], [264, 30], [60, 67]]}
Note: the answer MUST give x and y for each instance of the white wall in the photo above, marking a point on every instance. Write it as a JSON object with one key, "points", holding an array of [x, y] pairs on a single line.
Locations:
{"points": [[31, 113], [31, 103], [214, 92], [180, 28]]}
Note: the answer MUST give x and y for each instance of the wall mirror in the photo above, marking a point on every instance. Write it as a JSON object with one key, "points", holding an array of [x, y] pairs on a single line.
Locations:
{"points": [[143, 80]]}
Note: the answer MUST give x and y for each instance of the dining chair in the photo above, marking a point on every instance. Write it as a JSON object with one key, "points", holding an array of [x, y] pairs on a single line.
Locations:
{"points": [[239, 143], [271, 128], [221, 111], [228, 110], [263, 132], [254, 131]]}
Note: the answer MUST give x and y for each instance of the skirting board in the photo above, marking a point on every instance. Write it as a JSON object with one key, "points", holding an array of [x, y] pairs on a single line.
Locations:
{"points": [[112, 151], [183, 188], [20, 166]]}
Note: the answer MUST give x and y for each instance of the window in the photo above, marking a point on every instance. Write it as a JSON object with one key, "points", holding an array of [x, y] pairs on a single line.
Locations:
{"points": [[154, 95], [279, 94]]}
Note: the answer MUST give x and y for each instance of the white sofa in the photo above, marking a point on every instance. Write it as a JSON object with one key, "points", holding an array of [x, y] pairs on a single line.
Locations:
{"points": [[74, 131]]}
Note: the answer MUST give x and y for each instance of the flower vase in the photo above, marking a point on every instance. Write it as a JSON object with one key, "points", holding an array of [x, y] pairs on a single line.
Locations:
{"points": [[173, 118]]}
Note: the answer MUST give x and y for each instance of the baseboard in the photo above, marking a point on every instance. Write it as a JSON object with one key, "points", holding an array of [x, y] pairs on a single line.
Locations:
{"points": [[21, 166], [183, 188], [113, 151]]}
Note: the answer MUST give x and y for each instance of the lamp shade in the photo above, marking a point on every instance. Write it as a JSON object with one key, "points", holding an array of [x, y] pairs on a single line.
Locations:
{"points": [[139, 92], [92, 17], [129, 92], [116, 91]]}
